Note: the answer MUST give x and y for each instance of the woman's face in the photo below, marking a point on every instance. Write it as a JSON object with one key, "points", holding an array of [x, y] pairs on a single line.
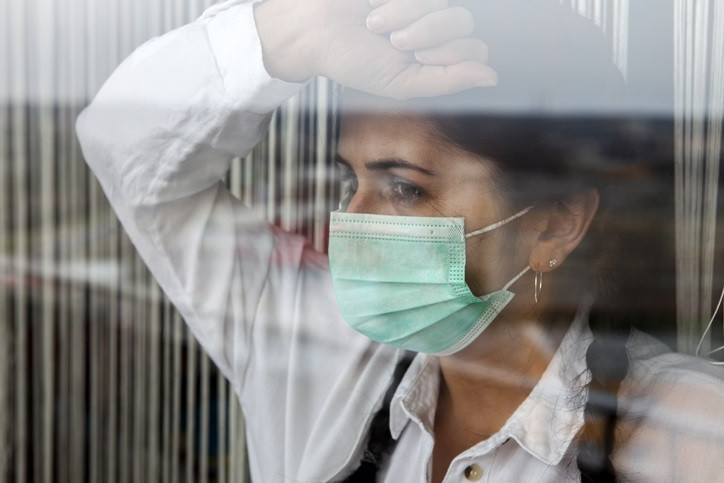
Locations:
{"points": [[398, 165]]}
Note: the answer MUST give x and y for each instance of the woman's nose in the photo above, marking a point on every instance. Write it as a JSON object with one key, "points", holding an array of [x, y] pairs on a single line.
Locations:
{"points": [[361, 202]]}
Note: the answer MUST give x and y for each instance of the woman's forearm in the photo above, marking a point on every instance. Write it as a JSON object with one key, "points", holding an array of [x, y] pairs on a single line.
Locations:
{"points": [[160, 135]]}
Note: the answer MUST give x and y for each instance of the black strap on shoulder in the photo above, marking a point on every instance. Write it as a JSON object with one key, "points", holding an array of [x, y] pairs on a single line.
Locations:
{"points": [[380, 442]]}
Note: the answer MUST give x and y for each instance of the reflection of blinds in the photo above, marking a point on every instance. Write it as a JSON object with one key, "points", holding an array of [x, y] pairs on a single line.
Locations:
{"points": [[99, 378], [612, 17], [699, 106]]}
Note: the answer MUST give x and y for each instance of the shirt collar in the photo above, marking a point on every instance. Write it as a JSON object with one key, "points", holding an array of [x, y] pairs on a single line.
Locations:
{"points": [[545, 423], [416, 396]]}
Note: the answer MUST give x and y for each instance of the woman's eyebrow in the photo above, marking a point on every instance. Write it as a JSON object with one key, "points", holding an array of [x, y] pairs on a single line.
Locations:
{"points": [[388, 163], [382, 164]]}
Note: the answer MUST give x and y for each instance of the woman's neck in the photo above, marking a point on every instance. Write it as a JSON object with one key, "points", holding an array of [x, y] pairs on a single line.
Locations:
{"points": [[483, 385]]}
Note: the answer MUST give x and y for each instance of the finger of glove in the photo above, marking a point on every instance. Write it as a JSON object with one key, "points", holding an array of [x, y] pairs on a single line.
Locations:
{"points": [[396, 14], [454, 52], [428, 81], [433, 29], [377, 3]]}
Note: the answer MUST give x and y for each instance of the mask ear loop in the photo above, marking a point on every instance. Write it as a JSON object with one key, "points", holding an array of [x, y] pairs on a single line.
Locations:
{"points": [[507, 285], [500, 223], [515, 279], [708, 328]]}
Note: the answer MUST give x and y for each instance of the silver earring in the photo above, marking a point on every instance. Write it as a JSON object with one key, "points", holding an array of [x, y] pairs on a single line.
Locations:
{"points": [[538, 285], [538, 282]]}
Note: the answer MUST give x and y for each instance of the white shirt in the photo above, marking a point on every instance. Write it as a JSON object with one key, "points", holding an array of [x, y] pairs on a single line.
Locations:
{"points": [[160, 135]]}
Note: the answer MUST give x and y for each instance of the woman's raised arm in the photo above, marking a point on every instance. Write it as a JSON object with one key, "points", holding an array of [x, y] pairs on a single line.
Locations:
{"points": [[160, 136], [162, 130]]}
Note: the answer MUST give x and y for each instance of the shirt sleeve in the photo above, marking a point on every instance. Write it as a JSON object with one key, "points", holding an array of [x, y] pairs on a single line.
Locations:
{"points": [[159, 136], [673, 429]]}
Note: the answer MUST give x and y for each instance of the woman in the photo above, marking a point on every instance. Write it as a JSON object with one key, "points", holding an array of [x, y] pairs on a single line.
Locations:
{"points": [[444, 234]]}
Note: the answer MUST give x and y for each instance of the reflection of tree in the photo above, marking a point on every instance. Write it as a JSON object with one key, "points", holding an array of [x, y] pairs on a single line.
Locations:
{"points": [[699, 107], [612, 16], [5, 450]]}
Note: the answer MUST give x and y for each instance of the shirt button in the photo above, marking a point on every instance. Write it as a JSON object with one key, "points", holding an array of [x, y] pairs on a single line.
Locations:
{"points": [[473, 473]]}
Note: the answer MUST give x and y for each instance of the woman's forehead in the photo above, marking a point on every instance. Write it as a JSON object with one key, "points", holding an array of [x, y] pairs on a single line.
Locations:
{"points": [[356, 102], [366, 135], [365, 117], [376, 123]]}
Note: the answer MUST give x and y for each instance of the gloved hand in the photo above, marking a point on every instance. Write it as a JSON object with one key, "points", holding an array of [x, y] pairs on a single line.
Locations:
{"points": [[393, 48]]}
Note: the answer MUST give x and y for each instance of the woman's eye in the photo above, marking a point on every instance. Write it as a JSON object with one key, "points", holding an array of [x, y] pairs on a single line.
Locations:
{"points": [[406, 192], [348, 188], [349, 182]]}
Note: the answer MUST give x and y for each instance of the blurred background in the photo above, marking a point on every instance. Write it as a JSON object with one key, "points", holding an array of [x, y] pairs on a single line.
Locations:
{"points": [[99, 378]]}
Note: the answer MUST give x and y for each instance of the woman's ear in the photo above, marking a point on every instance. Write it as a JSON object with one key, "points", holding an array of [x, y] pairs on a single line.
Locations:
{"points": [[560, 229]]}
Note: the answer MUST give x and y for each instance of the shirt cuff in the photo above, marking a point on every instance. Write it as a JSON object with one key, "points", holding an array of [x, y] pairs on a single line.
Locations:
{"points": [[236, 46]]}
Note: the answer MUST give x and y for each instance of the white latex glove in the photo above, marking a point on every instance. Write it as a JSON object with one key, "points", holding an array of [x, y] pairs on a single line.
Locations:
{"points": [[393, 48]]}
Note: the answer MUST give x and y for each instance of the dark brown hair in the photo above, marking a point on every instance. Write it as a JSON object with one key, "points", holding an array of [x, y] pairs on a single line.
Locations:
{"points": [[556, 125]]}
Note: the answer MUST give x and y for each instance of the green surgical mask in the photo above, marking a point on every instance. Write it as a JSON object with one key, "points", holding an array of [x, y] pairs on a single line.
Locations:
{"points": [[400, 280]]}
